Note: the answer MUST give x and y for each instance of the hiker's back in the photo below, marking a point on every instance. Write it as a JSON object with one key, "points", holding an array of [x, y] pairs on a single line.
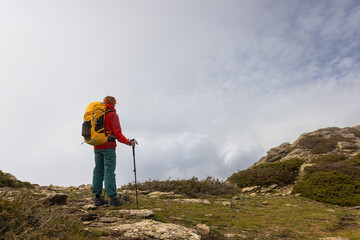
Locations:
{"points": [[93, 127]]}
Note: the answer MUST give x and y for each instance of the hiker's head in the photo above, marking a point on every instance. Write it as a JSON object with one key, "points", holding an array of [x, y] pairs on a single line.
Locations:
{"points": [[110, 100]]}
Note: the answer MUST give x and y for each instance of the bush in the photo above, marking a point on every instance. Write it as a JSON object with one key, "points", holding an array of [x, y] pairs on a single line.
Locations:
{"points": [[330, 158], [354, 161], [280, 173], [192, 187], [318, 145], [354, 131], [7, 180], [330, 187], [336, 163]]}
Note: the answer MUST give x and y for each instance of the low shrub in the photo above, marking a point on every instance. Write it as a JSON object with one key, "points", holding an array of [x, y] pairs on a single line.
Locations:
{"points": [[329, 129], [354, 131], [191, 187], [330, 158], [280, 173], [7, 180], [330, 187], [336, 163], [354, 161], [318, 145]]}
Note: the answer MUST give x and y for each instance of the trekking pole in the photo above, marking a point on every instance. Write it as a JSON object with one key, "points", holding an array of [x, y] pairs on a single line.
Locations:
{"points": [[133, 148]]}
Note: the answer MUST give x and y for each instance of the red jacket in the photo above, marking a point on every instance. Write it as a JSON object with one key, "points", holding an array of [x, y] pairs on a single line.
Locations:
{"points": [[112, 127]]}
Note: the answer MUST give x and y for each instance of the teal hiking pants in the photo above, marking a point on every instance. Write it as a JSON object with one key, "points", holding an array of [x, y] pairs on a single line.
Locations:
{"points": [[105, 164]]}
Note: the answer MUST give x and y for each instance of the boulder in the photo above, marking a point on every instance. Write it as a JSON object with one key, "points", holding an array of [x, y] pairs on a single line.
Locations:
{"points": [[249, 189], [203, 229], [268, 189]]}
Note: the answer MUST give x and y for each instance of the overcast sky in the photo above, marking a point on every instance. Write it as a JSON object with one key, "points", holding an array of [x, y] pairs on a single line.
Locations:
{"points": [[206, 87]]}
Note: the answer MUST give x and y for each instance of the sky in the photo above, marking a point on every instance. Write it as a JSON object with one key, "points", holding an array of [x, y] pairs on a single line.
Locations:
{"points": [[206, 87]]}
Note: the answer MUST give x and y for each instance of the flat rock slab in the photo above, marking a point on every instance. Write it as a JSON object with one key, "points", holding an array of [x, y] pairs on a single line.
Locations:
{"points": [[157, 194], [143, 213], [192, 200], [149, 229], [108, 219]]}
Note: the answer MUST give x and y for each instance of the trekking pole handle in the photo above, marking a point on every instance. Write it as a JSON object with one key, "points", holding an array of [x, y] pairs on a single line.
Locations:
{"points": [[133, 140]]}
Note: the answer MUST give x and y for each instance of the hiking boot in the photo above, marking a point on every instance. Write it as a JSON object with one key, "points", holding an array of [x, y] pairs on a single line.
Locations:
{"points": [[100, 201], [115, 202]]}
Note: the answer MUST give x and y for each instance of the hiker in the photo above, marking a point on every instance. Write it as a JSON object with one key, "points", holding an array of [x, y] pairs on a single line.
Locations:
{"points": [[105, 157]]}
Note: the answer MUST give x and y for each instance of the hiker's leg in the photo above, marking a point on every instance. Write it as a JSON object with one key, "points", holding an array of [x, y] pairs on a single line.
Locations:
{"points": [[98, 174], [110, 165]]}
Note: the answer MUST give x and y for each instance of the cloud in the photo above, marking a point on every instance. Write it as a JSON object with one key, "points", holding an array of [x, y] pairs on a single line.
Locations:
{"points": [[189, 155], [207, 86]]}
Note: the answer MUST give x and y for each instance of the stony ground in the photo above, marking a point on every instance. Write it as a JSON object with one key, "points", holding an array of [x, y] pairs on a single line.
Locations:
{"points": [[254, 214]]}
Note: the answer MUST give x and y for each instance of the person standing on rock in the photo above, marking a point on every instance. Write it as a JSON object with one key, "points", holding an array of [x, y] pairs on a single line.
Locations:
{"points": [[105, 157]]}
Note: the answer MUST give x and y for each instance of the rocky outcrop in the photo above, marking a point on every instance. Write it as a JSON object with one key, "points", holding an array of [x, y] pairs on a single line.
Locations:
{"points": [[275, 154], [323, 141]]}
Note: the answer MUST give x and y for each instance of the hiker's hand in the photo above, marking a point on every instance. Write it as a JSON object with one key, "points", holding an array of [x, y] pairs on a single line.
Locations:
{"points": [[133, 142]]}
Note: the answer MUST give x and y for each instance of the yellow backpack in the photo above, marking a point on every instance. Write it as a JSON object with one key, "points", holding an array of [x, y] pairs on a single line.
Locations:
{"points": [[93, 127]]}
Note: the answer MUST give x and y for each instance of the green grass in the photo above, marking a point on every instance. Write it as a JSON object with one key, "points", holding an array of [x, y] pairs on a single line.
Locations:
{"points": [[288, 217]]}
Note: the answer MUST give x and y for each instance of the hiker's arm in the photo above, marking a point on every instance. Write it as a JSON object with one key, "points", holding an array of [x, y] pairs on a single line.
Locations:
{"points": [[116, 129]]}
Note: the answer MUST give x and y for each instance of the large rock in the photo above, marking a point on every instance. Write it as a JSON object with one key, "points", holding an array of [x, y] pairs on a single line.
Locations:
{"points": [[249, 189], [149, 229], [203, 229]]}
